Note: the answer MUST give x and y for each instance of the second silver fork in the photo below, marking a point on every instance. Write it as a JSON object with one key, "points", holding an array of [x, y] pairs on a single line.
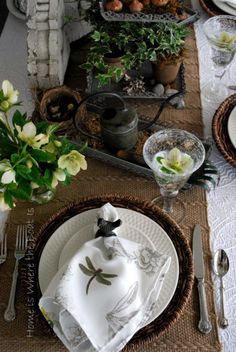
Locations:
{"points": [[3, 249], [21, 246]]}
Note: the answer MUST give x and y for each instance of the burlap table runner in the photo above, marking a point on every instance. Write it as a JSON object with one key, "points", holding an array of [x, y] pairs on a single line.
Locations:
{"points": [[25, 333]]}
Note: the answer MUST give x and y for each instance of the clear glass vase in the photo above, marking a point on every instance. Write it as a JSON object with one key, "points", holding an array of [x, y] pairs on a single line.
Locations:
{"points": [[42, 195]]}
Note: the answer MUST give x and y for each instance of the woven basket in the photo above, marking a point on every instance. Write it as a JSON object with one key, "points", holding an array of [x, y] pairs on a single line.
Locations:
{"points": [[220, 131], [211, 8], [57, 96], [151, 332]]}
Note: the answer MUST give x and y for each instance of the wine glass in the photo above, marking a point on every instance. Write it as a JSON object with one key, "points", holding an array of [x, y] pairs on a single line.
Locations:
{"points": [[190, 152], [220, 32]]}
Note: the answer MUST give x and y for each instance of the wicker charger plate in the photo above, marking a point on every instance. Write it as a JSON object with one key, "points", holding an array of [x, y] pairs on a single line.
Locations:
{"points": [[220, 131], [184, 287], [211, 8]]}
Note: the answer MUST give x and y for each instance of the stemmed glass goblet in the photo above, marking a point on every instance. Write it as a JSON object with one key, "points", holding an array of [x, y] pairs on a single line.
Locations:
{"points": [[220, 32], [187, 153]]}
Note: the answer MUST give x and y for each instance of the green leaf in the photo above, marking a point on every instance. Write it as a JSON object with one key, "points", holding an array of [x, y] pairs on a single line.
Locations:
{"points": [[23, 190], [42, 156], [47, 177], [24, 172], [167, 171], [103, 281], [52, 128], [19, 193], [18, 119], [14, 158], [67, 181], [7, 147], [8, 198], [41, 126], [159, 159], [96, 36], [89, 263], [35, 173], [85, 270], [87, 66]]}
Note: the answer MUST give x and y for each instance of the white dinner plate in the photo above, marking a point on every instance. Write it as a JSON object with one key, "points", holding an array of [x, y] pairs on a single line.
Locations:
{"points": [[226, 8], [232, 127], [72, 234]]}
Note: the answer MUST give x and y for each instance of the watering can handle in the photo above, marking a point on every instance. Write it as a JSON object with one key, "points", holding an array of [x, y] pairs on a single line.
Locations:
{"points": [[161, 108]]}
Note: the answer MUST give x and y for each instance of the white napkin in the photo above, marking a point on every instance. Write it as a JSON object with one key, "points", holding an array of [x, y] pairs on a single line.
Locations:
{"points": [[105, 293], [229, 2]]}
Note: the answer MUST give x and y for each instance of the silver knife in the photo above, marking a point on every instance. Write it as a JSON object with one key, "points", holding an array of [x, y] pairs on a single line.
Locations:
{"points": [[204, 323]]}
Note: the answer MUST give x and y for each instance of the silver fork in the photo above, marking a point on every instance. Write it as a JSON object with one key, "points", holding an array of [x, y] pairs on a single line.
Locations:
{"points": [[3, 249], [21, 246]]}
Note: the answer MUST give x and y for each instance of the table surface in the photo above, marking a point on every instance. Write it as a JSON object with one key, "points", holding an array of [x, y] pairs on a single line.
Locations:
{"points": [[221, 201]]}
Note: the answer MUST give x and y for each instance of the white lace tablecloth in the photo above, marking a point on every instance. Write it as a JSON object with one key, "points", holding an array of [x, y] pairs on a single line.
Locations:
{"points": [[221, 201]]}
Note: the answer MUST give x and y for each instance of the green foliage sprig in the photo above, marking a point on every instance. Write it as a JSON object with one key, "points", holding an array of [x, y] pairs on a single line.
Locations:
{"points": [[136, 44]]}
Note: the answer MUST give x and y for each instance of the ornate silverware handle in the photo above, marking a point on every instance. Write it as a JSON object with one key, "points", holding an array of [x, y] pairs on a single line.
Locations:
{"points": [[223, 321], [10, 312], [204, 323]]}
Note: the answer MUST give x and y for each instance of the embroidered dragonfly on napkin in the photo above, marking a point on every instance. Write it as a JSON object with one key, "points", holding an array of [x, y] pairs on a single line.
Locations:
{"points": [[97, 274]]}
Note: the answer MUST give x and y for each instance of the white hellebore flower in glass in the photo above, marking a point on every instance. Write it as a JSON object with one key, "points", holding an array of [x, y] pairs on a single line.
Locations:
{"points": [[176, 161], [3, 205], [72, 162], [58, 175], [28, 135], [10, 94]]}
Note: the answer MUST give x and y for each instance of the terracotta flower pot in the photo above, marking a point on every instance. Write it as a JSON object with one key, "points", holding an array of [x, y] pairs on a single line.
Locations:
{"points": [[59, 105], [115, 62], [165, 72]]}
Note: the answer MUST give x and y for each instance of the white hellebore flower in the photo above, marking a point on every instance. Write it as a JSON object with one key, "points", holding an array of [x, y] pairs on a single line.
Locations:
{"points": [[3, 205], [5, 165], [28, 135], [177, 162], [9, 174], [10, 94], [8, 177], [72, 162], [58, 175]]}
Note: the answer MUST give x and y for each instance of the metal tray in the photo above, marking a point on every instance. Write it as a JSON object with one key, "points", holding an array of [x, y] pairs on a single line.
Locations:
{"points": [[92, 86], [141, 170], [193, 16]]}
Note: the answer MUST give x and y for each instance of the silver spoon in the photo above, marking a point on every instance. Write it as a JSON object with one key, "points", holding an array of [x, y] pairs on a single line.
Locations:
{"points": [[221, 267]]}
